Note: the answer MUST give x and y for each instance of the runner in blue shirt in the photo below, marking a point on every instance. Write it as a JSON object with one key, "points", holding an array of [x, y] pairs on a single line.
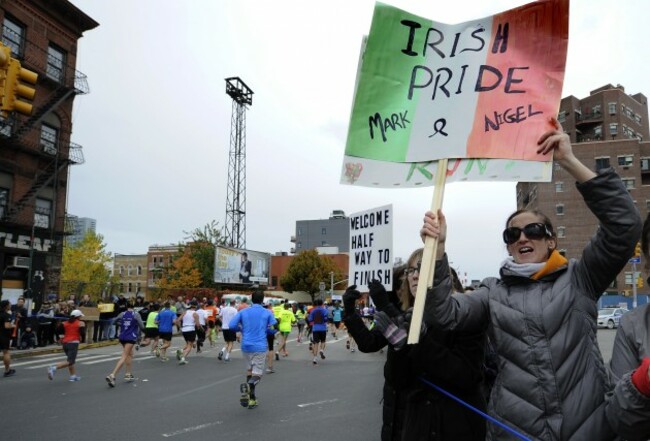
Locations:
{"points": [[253, 323], [165, 321], [337, 317], [318, 316]]}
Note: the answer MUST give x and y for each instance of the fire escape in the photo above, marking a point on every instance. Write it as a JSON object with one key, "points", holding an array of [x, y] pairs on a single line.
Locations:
{"points": [[57, 82]]}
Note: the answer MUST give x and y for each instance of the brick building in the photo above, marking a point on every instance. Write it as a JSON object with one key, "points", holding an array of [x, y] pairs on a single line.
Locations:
{"points": [[607, 128], [36, 151]]}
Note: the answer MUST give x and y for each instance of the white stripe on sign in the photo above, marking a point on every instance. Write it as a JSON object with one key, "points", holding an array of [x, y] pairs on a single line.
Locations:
{"points": [[316, 403]]}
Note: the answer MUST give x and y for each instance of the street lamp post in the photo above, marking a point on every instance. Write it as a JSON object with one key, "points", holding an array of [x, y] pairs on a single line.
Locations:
{"points": [[333, 283]]}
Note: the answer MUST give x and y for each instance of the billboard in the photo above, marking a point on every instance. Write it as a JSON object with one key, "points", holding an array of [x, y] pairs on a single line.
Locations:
{"points": [[234, 265]]}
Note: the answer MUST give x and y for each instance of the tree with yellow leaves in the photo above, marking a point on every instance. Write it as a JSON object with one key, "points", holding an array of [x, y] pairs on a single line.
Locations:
{"points": [[182, 273], [84, 268]]}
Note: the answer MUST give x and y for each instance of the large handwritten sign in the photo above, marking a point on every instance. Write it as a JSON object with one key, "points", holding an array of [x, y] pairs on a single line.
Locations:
{"points": [[371, 242], [480, 89]]}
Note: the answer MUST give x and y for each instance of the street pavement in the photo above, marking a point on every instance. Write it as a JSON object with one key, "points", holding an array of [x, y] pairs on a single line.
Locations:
{"points": [[340, 399]]}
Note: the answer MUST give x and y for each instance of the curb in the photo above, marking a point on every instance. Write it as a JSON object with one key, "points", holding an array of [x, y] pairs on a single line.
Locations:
{"points": [[55, 349]]}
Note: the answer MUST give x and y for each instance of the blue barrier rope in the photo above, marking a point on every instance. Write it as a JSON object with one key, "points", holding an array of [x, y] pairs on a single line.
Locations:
{"points": [[469, 406]]}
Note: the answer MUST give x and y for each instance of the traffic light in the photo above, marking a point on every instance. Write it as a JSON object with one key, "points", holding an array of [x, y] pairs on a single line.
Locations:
{"points": [[637, 250], [639, 282], [5, 56], [14, 91]]}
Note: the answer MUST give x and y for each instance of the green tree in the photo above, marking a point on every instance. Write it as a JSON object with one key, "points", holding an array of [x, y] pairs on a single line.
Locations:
{"points": [[84, 269], [307, 270], [201, 245]]}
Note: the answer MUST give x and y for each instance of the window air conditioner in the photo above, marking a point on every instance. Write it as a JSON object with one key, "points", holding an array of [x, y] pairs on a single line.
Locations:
{"points": [[21, 262]]}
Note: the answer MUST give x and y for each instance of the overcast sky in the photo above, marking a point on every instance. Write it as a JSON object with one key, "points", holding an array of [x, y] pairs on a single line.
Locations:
{"points": [[155, 128]]}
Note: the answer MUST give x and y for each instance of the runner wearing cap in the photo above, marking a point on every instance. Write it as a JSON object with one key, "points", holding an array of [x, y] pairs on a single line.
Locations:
{"points": [[74, 332]]}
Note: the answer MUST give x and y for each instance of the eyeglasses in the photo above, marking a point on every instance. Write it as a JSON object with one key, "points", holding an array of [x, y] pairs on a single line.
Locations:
{"points": [[533, 231], [412, 269]]}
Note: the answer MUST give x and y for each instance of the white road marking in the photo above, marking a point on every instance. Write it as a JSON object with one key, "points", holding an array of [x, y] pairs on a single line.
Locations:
{"points": [[315, 403], [207, 386], [191, 429]]}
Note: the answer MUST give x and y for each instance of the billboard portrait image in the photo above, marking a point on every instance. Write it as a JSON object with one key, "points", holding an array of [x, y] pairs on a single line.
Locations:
{"points": [[234, 265]]}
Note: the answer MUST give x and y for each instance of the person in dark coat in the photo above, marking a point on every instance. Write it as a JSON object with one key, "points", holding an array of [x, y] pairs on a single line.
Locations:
{"points": [[412, 409]]}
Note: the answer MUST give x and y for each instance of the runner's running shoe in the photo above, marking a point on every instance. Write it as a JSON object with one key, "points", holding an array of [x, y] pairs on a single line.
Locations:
{"points": [[50, 372], [110, 379], [245, 398]]}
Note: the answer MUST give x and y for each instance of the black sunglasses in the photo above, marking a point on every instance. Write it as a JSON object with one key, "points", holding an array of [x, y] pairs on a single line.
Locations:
{"points": [[533, 231]]}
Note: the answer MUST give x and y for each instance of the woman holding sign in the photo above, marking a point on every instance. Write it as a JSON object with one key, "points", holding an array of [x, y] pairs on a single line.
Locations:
{"points": [[411, 409], [540, 314]]}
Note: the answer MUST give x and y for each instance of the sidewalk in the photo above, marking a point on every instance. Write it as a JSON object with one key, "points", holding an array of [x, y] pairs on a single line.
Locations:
{"points": [[54, 349]]}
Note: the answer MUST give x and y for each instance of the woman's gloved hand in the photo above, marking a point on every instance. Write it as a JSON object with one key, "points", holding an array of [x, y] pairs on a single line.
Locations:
{"points": [[379, 297], [350, 297]]}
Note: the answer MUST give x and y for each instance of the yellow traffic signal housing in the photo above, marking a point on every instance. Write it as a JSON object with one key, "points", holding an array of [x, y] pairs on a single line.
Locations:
{"points": [[639, 282], [5, 56], [15, 92], [637, 250]]}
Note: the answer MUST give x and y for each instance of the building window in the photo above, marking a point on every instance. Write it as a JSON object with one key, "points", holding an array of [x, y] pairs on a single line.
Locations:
{"points": [[559, 187], [612, 108], [561, 117], [323, 243], [637, 118], [628, 182], [129, 286], [562, 252], [138, 286], [323, 231], [129, 271], [139, 270], [13, 36], [559, 209], [598, 132], [561, 231], [625, 160], [42, 213], [596, 110], [4, 200], [602, 162], [55, 63], [299, 245], [49, 137], [299, 232], [613, 129], [121, 270]]}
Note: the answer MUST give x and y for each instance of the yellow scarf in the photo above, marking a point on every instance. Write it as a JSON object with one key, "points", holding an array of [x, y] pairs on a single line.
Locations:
{"points": [[555, 261]]}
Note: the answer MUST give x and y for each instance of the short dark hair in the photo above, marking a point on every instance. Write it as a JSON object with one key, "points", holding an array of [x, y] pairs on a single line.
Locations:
{"points": [[257, 297], [318, 302]]}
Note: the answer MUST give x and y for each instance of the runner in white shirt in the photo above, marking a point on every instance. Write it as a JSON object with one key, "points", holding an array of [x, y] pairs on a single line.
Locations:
{"points": [[200, 332], [229, 336]]}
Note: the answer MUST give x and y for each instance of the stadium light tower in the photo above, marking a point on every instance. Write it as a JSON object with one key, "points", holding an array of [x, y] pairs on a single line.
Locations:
{"points": [[235, 226]]}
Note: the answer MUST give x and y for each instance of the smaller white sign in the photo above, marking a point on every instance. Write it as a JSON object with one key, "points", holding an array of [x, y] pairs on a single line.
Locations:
{"points": [[371, 248]]}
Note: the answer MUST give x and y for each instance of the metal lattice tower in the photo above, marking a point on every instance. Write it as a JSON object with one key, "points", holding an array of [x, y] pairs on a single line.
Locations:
{"points": [[235, 227]]}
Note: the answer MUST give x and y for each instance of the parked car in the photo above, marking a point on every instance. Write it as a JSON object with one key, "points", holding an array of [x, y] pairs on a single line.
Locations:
{"points": [[610, 317]]}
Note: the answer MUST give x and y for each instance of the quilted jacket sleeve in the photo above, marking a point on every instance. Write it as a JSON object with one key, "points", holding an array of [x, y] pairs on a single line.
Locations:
{"points": [[457, 312], [620, 229]]}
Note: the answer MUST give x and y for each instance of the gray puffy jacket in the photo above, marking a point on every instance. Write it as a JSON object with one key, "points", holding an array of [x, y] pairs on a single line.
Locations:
{"points": [[552, 382]]}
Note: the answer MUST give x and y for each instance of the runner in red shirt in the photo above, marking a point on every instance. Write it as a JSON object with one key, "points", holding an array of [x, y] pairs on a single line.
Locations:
{"points": [[74, 332]]}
